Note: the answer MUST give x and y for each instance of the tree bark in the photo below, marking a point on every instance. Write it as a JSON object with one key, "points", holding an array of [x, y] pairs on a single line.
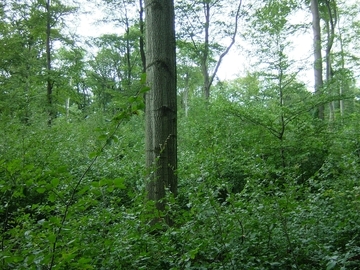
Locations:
{"points": [[161, 105], [317, 54]]}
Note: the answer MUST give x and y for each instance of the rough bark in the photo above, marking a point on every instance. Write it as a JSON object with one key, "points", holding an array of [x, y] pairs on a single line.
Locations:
{"points": [[317, 54], [161, 110]]}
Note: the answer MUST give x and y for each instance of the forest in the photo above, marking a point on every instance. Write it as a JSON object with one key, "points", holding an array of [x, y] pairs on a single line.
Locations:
{"points": [[128, 148]]}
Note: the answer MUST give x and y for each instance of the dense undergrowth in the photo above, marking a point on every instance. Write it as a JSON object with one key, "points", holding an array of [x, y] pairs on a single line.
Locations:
{"points": [[247, 200]]}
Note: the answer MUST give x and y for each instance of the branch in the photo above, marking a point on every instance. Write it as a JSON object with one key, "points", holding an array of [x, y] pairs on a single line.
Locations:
{"points": [[258, 122], [230, 45]]}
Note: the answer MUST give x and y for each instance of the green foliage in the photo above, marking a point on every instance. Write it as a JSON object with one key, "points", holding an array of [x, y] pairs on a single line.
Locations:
{"points": [[23, 61], [237, 207], [262, 184]]}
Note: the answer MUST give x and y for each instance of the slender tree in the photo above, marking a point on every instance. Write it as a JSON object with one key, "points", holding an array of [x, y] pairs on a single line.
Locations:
{"points": [[161, 110], [49, 80], [314, 5], [141, 38], [200, 28]]}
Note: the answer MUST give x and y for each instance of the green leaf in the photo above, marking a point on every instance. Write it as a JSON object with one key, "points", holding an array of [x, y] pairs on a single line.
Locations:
{"points": [[52, 238], [121, 116], [94, 154], [29, 182], [48, 186], [83, 190], [138, 106], [14, 166], [95, 184], [114, 138], [144, 90], [119, 183], [55, 182], [192, 253], [132, 99], [41, 190], [143, 78], [55, 221], [52, 197], [331, 265], [103, 137], [103, 182]]}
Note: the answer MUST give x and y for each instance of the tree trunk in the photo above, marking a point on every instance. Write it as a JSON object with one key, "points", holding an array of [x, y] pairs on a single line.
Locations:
{"points": [[317, 54], [205, 53], [141, 39], [161, 106], [49, 80], [330, 23], [186, 93], [342, 86], [328, 73], [128, 52]]}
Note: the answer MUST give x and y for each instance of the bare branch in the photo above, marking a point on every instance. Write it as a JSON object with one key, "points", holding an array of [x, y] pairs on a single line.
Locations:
{"points": [[233, 38]]}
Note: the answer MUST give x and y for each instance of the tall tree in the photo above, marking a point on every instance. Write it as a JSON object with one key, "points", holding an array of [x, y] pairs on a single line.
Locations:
{"points": [[314, 5], [49, 80], [161, 105], [203, 25], [348, 25], [280, 93], [190, 77], [141, 38], [330, 18]]}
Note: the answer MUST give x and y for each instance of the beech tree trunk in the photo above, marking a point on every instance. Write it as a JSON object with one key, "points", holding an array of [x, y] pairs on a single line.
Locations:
{"points": [[161, 106], [317, 53]]}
